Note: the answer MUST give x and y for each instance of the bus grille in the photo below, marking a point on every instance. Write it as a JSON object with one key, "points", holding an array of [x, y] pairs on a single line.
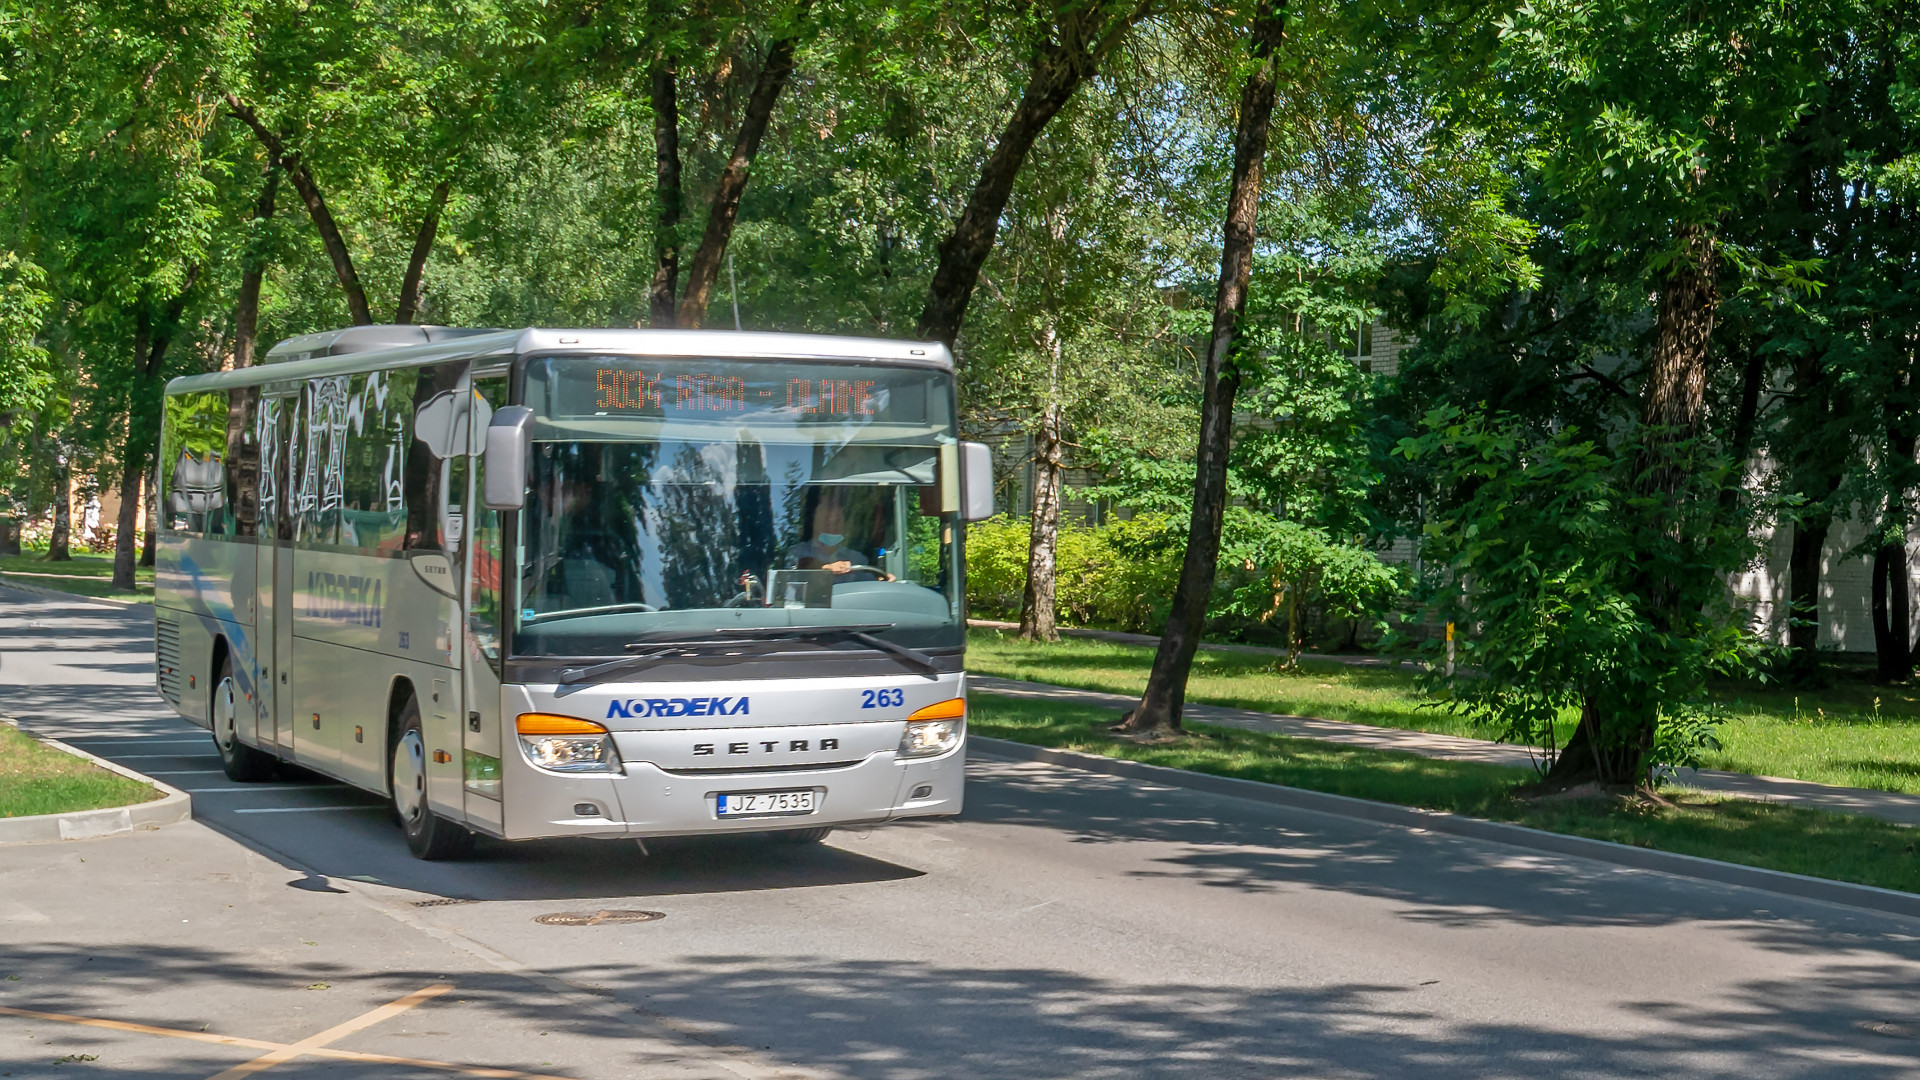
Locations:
{"points": [[166, 658]]}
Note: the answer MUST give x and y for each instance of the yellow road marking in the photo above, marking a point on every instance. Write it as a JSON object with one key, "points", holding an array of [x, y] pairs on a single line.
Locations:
{"points": [[144, 1029], [338, 1031], [310, 1047]]}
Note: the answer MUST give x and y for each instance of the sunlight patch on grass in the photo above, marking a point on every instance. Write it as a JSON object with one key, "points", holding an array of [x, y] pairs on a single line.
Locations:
{"points": [[1836, 846], [1829, 736], [38, 779], [82, 575]]}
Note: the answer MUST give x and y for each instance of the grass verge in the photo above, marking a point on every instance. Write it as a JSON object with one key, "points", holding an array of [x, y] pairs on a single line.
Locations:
{"points": [[1851, 733], [83, 575], [1839, 847], [38, 779]]}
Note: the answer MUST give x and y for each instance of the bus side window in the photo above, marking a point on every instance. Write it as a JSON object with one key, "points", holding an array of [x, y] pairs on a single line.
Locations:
{"points": [[243, 460], [434, 429], [193, 464]]}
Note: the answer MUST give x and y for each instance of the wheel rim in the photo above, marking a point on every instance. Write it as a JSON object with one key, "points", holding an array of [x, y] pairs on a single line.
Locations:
{"points": [[225, 716], [410, 777]]}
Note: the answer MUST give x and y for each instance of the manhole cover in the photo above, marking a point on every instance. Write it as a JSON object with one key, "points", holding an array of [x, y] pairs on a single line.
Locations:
{"points": [[1889, 1028], [597, 918]]}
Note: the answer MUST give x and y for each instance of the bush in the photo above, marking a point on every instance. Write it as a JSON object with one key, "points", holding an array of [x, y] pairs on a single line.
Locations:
{"points": [[1119, 575]]}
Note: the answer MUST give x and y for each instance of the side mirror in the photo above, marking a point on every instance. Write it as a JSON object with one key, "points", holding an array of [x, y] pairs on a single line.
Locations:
{"points": [[509, 441], [976, 477]]}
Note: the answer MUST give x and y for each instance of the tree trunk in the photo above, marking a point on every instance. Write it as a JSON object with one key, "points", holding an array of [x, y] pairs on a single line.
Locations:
{"points": [[669, 199], [705, 268], [1892, 645], [1753, 380], [132, 471], [1038, 606], [246, 316], [1617, 728], [9, 536], [147, 537], [59, 544], [1803, 591], [1055, 72], [1160, 707], [409, 304], [316, 204]]}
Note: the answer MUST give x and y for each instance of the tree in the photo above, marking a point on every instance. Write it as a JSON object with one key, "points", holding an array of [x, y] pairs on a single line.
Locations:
{"points": [[1160, 707], [1075, 37], [1286, 566], [1656, 116]]}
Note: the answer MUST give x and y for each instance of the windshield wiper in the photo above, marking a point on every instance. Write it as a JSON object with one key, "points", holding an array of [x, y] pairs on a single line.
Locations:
{"points": [[665, 643]]}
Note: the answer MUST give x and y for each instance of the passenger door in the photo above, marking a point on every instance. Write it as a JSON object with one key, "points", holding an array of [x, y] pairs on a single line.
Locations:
{"points": [[273, 574], [481, 621]]}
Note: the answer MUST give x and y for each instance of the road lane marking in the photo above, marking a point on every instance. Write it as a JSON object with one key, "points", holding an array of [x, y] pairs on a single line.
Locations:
{"points": [[149, 757], [258, 787], [314, 1051], [144, 1029], [333, 1034], [305, 809], [182, 772]]}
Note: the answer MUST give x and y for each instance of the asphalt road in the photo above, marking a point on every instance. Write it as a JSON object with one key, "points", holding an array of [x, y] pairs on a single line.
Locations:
{"points": [[1069, 925]]}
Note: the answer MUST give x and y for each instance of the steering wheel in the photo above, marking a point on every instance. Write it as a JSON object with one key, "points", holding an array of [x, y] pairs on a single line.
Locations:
{"points": [[874, 570]]}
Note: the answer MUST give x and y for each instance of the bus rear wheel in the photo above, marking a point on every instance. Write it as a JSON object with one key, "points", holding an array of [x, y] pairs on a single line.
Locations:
{"points": [[429, 836], [242, 763]]}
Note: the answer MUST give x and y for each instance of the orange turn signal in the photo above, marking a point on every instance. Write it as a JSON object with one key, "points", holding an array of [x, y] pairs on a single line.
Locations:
{"points": [[539, 723], [950, 709]]}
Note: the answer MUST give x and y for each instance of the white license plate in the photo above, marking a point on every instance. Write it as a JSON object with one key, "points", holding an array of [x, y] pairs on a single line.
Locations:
{"points": [[760, 803]]}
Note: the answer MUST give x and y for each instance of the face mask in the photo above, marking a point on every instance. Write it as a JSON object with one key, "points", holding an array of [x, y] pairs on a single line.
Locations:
{"points": [[831, 539]]}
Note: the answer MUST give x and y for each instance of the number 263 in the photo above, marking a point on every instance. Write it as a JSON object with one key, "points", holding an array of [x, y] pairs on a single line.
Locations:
{"points": [[882, 699]]}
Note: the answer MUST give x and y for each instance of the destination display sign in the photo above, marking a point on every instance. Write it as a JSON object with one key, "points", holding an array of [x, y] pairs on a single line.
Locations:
{"points": [[720, 390]]}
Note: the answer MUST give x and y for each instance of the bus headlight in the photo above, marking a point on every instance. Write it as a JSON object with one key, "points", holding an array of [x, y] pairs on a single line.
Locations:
{"points": [[934, 730], [566, 744]]}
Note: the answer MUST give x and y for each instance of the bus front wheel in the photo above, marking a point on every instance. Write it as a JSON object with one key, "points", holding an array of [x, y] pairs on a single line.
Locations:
{"points": [[429, 836]]}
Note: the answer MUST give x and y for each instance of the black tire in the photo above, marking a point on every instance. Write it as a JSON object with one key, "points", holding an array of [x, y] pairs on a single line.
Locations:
{"points": [[429, 836], [242, 763], [804, 836]]}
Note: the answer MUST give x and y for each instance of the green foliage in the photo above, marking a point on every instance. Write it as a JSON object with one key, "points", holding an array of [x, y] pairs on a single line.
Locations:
{"points": [[1548, 564], [1277, 569], [1119, 575], [25, 379]]}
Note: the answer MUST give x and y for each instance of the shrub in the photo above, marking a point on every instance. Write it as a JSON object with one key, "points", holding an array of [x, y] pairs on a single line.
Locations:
{"points": [[1119, 575]]}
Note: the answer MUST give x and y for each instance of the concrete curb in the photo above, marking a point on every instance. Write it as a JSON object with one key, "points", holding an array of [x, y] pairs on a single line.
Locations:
{"points": [[173, 805], [1750, 877], [61, 594]]}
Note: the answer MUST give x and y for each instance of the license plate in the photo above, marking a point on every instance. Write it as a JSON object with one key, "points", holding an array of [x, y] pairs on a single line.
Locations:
{"points": [[761, 803]]}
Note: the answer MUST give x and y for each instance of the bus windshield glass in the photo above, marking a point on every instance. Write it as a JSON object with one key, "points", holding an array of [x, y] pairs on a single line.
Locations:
{"points": [[675, 495]]}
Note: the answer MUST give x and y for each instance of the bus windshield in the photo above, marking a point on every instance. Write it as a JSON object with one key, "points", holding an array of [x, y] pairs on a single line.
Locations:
{"points": [[675, 496]]}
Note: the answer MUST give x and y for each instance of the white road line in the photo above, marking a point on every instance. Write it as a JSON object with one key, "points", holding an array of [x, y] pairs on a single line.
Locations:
{"points": [[259, 787], [182, 772], [302, 809], [148, 738], [148, 757]]}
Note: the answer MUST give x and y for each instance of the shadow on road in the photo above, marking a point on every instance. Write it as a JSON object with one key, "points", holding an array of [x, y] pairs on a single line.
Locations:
{"points": [[884, 1020]]}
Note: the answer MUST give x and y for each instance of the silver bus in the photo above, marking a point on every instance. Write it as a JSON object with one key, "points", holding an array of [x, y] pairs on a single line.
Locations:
{"points": [[597, 583]]}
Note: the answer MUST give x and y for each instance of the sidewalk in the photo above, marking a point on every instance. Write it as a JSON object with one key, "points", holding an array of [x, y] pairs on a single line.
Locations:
{"points": [[1886, 805]]}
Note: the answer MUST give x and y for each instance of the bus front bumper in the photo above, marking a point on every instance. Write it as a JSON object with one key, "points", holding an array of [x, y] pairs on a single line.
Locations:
{"points": [[647, 801]]}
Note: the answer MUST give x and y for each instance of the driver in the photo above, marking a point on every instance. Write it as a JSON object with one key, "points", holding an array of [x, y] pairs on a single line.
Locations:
{"points": [[828, 549]]}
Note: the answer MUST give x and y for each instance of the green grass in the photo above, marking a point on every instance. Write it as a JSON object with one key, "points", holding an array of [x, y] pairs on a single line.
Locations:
{"points": [[1837, 846], [85, 575], [37, 779], [1830, 736]]}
